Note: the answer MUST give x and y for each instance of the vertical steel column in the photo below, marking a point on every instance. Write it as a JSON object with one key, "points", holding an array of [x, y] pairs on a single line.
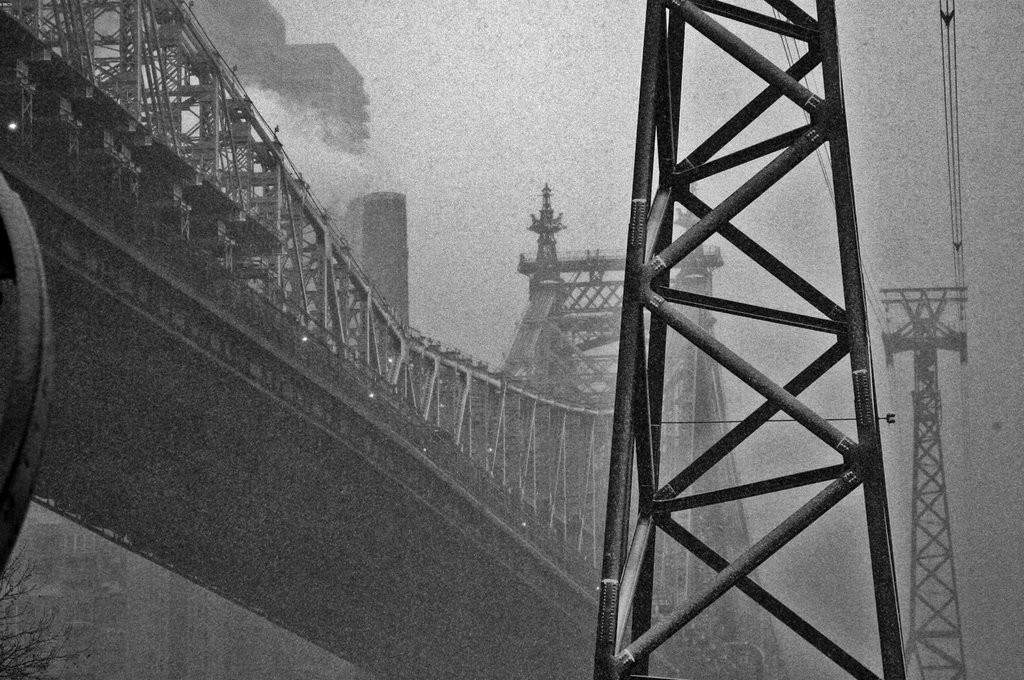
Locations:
{"points": [[137, 56], [215, 89], [626, 583], [463, 402], [325, 281], [282, 254], [870, 465], [669, 97], [630, 355], [935, 640]]}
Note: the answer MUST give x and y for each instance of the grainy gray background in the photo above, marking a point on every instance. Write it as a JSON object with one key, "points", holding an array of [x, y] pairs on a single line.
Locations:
{"points": [[475, 105]]}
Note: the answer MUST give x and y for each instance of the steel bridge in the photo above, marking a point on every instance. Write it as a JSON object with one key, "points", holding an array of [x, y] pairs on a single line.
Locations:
{"points": [[234, 399]]}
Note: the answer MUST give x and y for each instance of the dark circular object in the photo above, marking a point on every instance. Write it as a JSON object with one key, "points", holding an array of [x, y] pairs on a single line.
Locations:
{"points": [[27, 385]]}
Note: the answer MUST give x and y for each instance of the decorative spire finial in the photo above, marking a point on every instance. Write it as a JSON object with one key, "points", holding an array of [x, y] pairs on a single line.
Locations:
{"points": [[546, 226]]}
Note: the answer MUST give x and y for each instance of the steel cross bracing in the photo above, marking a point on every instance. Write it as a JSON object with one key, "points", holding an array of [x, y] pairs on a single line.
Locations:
{"points": [[735, 639], [125, 111], [935, 639], [627, 633]]}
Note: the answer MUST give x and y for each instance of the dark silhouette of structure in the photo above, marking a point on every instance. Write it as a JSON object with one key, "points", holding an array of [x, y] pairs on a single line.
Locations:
{"points": [[934, 636], [239, 401], [251, 36], [575, 305], [564, 344], [379, 222], [26, 343], [653, 308]]}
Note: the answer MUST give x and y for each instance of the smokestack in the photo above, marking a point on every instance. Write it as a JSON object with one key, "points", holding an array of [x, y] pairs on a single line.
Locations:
{"points": [[378, 223]]}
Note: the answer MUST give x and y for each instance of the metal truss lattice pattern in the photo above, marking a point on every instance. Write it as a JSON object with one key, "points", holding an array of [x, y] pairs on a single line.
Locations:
{"points": [[125, 111], [935, 638], [654, 310]]}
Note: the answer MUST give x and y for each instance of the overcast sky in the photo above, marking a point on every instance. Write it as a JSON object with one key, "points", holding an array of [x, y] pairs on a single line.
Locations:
{"points": [[476, 105]]}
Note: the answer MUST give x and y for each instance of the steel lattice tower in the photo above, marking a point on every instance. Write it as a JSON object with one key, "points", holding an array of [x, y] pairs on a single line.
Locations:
{"points": [[653, 308], [561, 347], [934, 640]]}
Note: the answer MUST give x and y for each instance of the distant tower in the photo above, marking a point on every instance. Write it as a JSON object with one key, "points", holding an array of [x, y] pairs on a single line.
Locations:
{"points": [[561, 344], [378, 227], [934, 642], [546, 226], [575, 303]]}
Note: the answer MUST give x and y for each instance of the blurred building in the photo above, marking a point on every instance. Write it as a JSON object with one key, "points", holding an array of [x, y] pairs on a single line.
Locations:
{"points": [[377, 229], [250, 35], [319, 81], [130, 619]]}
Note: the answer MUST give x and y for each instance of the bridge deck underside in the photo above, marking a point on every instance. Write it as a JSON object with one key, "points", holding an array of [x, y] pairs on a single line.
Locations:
{"points": [[235, 400], [205, 472]]}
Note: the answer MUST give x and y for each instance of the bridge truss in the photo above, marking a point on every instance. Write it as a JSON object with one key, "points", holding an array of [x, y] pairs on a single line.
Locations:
{"points": [[123, 114], [653, 309], [564, 344]]}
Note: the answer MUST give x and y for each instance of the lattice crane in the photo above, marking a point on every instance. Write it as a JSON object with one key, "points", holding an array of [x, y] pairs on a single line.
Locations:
{"points": [[934, 644], [934, 640]]}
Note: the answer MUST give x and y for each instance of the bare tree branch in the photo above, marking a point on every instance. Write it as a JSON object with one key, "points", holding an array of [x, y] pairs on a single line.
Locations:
{"points": [[31, 644]]}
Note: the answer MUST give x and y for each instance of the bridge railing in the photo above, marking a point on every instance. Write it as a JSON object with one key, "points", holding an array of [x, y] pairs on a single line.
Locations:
{"points": [[129, 104]]}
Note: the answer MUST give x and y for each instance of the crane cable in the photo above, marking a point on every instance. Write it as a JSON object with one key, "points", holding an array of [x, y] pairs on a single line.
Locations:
{"points": [[951, 101]]}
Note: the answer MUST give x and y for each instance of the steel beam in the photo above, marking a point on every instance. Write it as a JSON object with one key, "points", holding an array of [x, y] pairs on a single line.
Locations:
{"points": [[650, 306], [259, 249]]}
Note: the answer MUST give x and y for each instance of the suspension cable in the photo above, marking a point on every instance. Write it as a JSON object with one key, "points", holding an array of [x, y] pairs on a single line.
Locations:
{"points": [[951, 100], [951, 103], [791, 48]]}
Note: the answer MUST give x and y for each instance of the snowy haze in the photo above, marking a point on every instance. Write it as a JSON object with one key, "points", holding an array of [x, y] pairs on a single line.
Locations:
{"points": [[474, 106]]}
